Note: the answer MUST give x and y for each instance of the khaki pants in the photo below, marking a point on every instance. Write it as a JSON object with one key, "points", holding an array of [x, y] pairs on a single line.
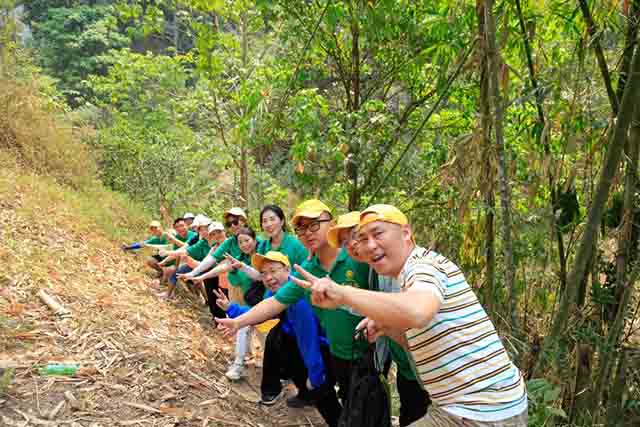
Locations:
{"points": [[438, 417]]}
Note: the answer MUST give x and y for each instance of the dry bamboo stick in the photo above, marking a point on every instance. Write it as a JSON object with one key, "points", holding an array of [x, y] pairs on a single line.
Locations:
{"points": [[54, 305]]}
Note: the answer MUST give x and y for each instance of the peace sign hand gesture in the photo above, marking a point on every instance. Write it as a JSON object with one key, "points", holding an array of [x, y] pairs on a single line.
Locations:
{"points": [[325, 292], [221, 300]]}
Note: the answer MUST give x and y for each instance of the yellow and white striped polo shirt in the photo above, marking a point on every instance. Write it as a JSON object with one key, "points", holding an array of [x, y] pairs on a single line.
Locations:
{"points": [[459, 356]]}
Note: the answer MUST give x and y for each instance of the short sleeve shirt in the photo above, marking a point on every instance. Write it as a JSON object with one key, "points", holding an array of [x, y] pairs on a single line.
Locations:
{"points": [[200, 250], [240, 279], [290, 246], [339, 324], [235, 277], [229, 246], [154, 240], [190, 235], [458, 355]]}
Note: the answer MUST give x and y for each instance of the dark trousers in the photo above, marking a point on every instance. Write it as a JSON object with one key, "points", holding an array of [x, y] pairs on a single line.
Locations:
{"points": [[282, 360], [342, 372], [209, 286], [414, 401]]}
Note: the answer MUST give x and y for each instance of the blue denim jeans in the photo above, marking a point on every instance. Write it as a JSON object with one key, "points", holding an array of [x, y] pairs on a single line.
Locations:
{"points": [[183, 269]]}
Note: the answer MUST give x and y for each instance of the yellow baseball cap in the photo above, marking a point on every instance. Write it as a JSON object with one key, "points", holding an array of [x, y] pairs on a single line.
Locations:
{"points": [[155, 224], [258, 260], [235, 212], [345, 221], [385, 213], [309, 209]]}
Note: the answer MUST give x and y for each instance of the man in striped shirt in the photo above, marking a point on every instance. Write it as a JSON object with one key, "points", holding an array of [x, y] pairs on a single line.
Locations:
{"points": [[457, 353]]}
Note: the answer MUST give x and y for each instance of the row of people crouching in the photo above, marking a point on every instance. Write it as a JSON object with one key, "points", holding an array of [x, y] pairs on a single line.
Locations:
{"points": [[361, 271]]}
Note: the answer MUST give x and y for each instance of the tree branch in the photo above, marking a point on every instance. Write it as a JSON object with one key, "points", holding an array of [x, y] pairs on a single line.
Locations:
{"points": [[435, 106], [220, 128]]}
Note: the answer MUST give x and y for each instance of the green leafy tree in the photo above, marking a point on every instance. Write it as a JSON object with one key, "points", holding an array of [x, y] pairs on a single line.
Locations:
{"points": [[149, 140], [73, 44]]}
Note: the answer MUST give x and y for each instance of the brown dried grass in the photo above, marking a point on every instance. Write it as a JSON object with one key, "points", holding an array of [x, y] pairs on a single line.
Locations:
{"points": [[33, 128], [144, 362]]}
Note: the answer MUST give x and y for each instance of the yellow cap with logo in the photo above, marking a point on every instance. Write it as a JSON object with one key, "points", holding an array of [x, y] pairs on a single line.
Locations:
{"points": [[258, 260], [384, 213], [155, 224], [348, 220], [309, 209]]}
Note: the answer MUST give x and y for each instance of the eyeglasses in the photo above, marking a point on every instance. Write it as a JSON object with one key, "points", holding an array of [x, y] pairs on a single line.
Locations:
{"points": [[313, 226], [232, 223]]}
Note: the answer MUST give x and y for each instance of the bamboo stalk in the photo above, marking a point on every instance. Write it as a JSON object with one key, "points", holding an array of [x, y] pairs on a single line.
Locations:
{"points": [[54, 305], [596, 210]]}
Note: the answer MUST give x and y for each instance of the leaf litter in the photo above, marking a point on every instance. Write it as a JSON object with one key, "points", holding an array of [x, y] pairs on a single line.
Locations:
{"points": [[143, 361]]}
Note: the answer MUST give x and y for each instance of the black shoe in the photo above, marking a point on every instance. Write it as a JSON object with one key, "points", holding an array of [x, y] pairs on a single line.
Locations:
{"points": [[298, 402], [269, 399]]}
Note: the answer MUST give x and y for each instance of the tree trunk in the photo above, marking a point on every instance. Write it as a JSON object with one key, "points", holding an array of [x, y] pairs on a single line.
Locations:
{"points": [[631, 40], [583, 392], [488, 173], [505, 189], [615, 408], [626, 250], [627, 246], [585, 249], [545, 143], [602, 62], [354, 193], [244, 163]]}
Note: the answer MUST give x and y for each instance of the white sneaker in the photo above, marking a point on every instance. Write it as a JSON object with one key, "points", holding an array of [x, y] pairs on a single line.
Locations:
{"points": [[235, 372]]}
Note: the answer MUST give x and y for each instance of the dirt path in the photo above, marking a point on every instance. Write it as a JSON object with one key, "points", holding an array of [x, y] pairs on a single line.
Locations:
{"points": [[143, 362]]}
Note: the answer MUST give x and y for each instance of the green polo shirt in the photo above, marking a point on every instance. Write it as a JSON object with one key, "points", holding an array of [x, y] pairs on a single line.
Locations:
{"points": [[200, 250], [239, 279], [154, 240], [230, 246], [236, 277], [399, 356], [290, 246], [339, 324], [190, 235]]}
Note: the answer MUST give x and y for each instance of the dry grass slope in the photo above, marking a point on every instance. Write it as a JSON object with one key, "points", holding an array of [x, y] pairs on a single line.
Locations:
{"points": [[144, 362]]}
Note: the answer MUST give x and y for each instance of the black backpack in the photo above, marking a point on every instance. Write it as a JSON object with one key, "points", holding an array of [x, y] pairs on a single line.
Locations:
{"points": [[368, 403]]}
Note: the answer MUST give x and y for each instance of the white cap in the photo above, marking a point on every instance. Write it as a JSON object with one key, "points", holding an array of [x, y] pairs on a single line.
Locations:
{"points": [[216, 226], [235, 212], [200, 220], [188, 215]]}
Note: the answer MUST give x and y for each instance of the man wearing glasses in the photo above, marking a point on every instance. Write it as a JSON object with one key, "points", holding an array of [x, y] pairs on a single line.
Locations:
{"points": [[458, 355], [311, 222]]}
